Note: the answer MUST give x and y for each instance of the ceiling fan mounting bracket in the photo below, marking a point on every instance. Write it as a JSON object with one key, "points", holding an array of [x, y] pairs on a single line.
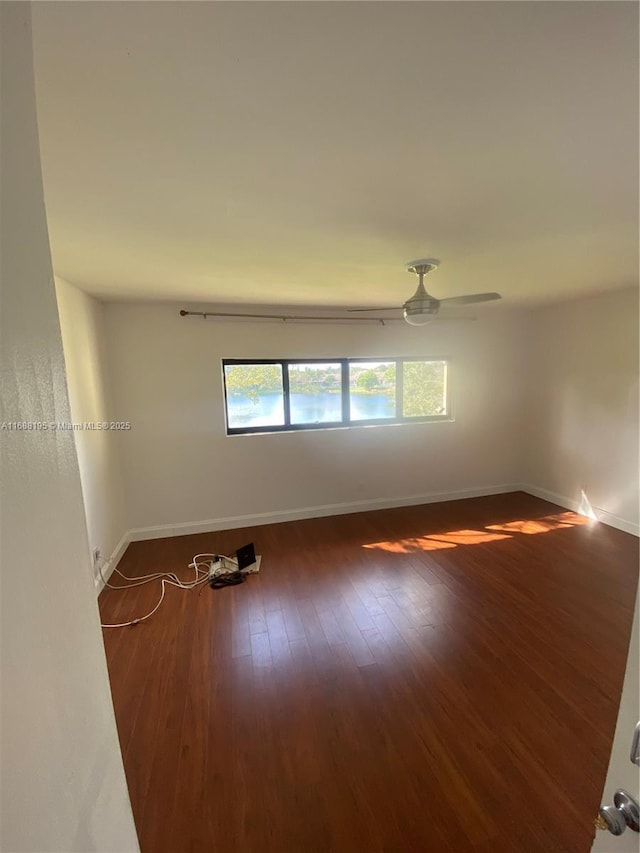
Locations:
{"points": [[423, 266]]}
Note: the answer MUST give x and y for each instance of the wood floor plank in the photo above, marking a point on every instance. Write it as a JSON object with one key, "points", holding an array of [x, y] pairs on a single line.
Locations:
{"points": [[430, 678]]}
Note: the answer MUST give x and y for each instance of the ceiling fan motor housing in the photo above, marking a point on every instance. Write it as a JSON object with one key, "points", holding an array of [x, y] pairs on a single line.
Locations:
{"points": [[419, 311], [422, 306]]}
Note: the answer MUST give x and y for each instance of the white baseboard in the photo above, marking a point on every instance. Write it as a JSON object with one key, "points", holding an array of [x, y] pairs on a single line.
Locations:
{"points": [[574, 505], [163, 531], [233, 522], [109, 565]]}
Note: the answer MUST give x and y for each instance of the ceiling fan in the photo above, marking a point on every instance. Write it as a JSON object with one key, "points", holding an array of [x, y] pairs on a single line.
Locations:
{"points": [[422, 307]]}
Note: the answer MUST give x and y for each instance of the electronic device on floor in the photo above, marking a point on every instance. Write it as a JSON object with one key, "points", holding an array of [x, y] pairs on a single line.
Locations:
{"points": [[228, 571], [247, 560]]}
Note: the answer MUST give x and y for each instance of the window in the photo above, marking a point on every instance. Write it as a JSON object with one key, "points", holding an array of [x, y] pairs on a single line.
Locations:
{"points": [[292, 394], [315, 393], [424, 388], [372, 390], [255, 396]]}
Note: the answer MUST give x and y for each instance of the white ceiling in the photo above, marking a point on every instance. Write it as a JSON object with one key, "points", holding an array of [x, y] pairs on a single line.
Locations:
{"points": [[302, 152]]}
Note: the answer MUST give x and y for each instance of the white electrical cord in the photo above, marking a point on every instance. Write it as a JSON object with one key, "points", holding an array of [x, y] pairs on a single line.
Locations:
{"points": [[200, 566]]}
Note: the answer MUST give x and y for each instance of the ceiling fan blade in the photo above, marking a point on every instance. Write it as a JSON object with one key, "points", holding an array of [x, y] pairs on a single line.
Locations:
{"points": [[470, 299], [387, 308]]}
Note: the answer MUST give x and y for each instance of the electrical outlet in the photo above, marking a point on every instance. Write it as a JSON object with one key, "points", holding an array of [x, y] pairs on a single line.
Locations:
{"points": [[97, 554]]}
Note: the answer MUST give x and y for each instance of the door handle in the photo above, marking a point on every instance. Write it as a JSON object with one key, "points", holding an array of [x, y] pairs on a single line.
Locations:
{"points": [[624, 813]]}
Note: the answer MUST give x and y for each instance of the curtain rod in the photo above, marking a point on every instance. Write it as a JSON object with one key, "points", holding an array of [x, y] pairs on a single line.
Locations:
{"points": [[289, 317]]}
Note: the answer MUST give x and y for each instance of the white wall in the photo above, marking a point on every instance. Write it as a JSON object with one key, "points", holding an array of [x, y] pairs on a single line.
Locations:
{"points": [[82, 325], [63, 785], [581, 419], [179, 466]]}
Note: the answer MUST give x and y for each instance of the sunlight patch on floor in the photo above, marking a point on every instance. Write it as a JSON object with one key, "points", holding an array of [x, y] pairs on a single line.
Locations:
{"points": [[438, 541], [492, 533], [541, 525]]}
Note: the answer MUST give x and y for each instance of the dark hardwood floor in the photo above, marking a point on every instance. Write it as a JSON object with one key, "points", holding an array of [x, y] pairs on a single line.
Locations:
{"points": [[435, 678]]}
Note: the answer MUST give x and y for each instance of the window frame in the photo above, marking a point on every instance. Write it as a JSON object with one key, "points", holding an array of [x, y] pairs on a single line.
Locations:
{"points": [[346, 422]]}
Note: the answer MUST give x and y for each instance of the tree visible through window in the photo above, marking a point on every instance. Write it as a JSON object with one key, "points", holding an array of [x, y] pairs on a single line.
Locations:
{"points": [[425, 388]]}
